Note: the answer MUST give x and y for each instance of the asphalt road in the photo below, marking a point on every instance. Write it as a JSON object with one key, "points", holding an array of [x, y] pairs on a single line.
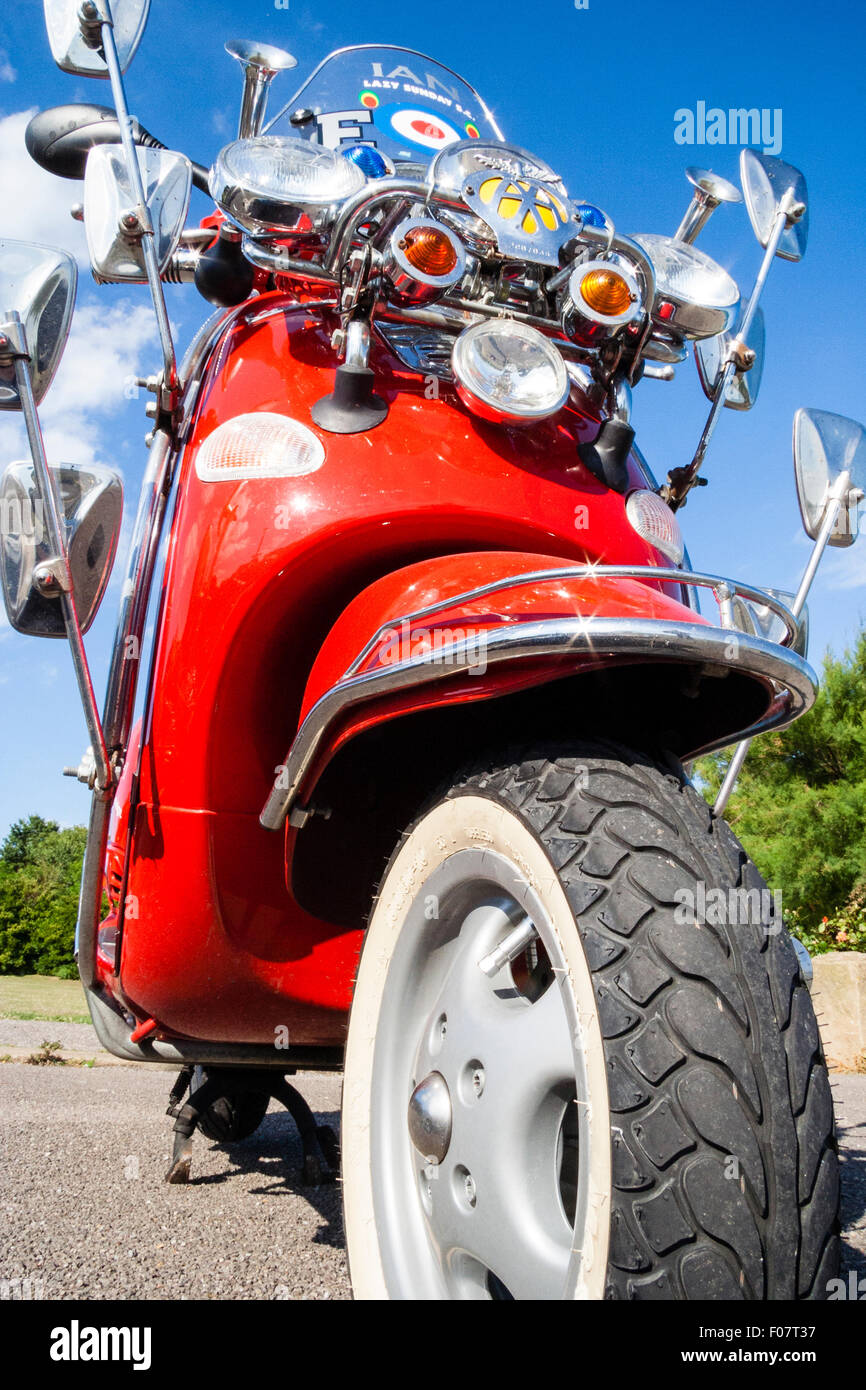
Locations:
{"points": [[88, 1216]]}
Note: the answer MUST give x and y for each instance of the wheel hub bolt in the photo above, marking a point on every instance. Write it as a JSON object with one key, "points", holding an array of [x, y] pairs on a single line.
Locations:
{"points": [[478, 1080], [429, 1117], [469, 1188]]}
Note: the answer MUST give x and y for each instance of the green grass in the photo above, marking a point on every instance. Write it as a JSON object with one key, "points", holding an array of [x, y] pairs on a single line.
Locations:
{"points": [[42, 996]]}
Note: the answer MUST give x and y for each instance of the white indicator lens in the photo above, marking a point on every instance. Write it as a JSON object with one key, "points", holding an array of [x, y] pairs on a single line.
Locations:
{"points": [[653, 519]]}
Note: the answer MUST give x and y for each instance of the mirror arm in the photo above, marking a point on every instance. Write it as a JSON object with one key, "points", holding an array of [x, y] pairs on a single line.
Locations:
{"points": [[835, 500], [682, 480], [91, 9], [54, 574]]}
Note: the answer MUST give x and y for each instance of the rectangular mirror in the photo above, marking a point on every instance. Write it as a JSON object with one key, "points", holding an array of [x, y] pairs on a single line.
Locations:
{"points": [[825, 446], [75, 53], [711, 355], [92, 500], [766, 180], [37, 283], [114, 238]]}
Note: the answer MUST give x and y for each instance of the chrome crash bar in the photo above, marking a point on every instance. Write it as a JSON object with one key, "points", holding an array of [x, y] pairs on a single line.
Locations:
{"points": [[640, 638]]}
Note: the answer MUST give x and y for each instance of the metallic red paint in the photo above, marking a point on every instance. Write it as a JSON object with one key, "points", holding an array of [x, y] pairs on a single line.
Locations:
{"points": [[272, 587]]}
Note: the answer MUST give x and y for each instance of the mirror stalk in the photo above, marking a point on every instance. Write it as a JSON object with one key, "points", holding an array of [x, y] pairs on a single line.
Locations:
{"points": [[837, 497], [682, 480], [55, 573], [102, 9]]}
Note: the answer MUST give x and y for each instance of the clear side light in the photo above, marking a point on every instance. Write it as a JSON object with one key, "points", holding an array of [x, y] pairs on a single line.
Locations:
{"points": [[655, 522]]}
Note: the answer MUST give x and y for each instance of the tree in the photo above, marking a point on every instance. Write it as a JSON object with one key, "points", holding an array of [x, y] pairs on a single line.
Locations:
{"points": [[800, 803], [40, 871]]}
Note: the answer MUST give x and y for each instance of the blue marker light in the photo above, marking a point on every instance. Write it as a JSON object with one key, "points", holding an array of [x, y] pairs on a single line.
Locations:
{"points": [[368, 160], [591, 215]]}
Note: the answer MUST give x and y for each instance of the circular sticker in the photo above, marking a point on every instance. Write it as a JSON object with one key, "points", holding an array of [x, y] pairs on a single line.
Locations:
{"points": [[422, 128], [472, 131], [369, 99]]}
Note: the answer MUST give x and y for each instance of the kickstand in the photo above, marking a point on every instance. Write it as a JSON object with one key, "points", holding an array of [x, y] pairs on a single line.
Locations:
{"points": [[319, 1143]]}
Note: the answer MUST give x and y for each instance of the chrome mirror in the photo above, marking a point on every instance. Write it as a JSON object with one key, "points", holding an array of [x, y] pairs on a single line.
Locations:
{"points": [[38, 284], [759, 620], [115, 236], [712, 355], [771, 186], [92, 503], [830, 470], [830, 467], [777, 205], [75, 33]]}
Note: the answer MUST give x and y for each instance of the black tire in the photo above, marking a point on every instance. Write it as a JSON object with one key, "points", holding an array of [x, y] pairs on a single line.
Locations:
{"points": [[233, 1116], [724, 1163]]}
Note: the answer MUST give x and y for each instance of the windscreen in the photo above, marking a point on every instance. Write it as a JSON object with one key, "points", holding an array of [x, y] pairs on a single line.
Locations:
{"points": [[404, 104]]}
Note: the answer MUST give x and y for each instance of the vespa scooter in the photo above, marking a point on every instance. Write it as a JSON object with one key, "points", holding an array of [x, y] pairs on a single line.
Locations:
{"points": [[398, 785]]}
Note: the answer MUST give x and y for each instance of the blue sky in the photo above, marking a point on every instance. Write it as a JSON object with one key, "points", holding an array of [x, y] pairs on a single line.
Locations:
{"points": [[593, 91]]}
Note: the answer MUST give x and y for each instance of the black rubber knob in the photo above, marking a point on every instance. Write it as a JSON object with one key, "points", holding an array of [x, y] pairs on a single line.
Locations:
{"points": [[223, 275]]}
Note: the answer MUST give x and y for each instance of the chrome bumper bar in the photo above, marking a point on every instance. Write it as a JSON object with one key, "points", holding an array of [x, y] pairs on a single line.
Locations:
{"points": [[646, 639]]}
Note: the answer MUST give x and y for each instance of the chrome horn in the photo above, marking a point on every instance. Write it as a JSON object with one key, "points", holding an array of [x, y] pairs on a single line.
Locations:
{"points": [[711, 190], [261, 62]]}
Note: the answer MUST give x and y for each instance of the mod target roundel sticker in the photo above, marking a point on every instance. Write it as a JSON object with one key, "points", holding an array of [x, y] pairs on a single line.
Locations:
{"points": [[426, 130]]}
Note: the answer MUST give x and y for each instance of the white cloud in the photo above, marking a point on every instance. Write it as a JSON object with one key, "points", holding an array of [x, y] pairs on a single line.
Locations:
{"points": [[103, 352], [106, 348], [7, 72], [846, 569], [35, 204]]}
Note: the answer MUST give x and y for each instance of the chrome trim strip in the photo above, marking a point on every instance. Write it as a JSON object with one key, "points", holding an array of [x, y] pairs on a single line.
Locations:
{"points": [[113, 1032], [727, 587], [642, 638]]}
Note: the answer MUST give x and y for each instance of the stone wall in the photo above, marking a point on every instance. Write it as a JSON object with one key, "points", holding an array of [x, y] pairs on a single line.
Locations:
{"points": [[839, 996]]}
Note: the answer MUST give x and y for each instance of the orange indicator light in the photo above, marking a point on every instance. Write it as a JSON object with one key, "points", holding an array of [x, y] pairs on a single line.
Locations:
{"points": [[430, 250], [606, 292]]}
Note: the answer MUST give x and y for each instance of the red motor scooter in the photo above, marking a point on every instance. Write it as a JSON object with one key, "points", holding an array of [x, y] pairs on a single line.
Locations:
{"points": [[427, 661]]}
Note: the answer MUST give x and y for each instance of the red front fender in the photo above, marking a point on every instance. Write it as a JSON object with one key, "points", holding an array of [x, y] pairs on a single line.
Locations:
{"points": [[464, 628]]}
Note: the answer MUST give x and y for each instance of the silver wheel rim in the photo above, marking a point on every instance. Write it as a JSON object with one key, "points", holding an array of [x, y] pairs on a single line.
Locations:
{"points": [[478, 1186]]}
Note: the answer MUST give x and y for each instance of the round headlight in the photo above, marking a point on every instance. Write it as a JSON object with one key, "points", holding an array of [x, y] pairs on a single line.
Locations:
{"points": [[274, 184], [509, 373], [699, 297]]}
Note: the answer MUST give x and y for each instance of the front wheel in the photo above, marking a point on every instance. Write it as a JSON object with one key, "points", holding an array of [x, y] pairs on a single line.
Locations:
{"points": [[581, 1061]]}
